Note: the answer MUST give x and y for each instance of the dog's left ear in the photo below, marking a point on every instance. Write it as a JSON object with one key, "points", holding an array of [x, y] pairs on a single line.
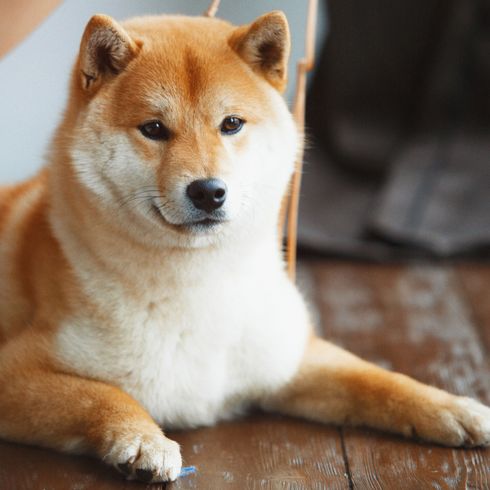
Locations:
{"points": [[265, 45]]}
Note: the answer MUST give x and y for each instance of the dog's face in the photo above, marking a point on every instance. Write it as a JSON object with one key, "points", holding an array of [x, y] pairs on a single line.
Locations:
{"points": [[181, 130]]}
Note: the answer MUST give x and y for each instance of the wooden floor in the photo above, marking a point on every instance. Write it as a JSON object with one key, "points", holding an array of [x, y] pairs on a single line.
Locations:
{"points": [[429, 321]]}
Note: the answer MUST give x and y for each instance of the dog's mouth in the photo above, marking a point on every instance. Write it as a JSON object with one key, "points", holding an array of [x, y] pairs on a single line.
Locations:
{"points": [[201, 225]]}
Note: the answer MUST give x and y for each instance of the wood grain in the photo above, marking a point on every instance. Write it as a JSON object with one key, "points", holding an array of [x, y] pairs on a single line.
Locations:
{"points": [[412, 319], [264, 452], [475, 284], [30, 468]]}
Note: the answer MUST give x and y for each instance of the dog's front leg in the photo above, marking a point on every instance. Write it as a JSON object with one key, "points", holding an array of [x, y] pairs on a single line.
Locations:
{"points": [[337, 387], [41, 406]]}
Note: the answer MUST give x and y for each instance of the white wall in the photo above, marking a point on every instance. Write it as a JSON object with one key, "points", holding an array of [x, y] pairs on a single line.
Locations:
{"points": [[33, 77]]}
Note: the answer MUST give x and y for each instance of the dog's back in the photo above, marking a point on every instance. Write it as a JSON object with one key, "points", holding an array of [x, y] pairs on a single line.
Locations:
{"points": [[22, 226]]}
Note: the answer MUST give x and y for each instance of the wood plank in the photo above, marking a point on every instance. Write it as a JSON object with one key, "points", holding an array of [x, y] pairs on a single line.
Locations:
{"points": [[475, 283], [412, 319], [29, 468], [261, 451]]}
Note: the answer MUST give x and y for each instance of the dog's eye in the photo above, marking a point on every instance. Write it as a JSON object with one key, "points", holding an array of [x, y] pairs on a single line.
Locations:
{"points": [[231, 125], [155, 130]]}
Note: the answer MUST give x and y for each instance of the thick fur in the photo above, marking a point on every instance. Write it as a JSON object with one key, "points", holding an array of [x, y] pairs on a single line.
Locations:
{"points": [[117, 317]]}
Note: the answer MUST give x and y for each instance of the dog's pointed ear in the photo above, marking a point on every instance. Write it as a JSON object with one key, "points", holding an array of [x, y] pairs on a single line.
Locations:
{"points": [[105, 50], [265, 46]]}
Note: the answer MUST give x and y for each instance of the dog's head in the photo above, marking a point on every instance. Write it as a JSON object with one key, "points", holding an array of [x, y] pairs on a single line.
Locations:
{"points": [[180, 127]]}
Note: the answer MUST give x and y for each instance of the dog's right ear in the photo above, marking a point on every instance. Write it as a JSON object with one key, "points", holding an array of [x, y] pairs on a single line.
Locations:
{"points": [[105, 50]]}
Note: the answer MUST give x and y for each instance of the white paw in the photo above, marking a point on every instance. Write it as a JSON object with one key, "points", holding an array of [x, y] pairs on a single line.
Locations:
{"points": [[474, 422], [457, 421], [146, 457]]}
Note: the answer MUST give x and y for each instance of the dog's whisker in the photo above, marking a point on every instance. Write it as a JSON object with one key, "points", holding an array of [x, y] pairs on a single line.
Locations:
{"points": [[138, 196]]}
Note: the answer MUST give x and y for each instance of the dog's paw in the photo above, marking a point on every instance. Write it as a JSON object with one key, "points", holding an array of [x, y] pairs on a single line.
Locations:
{"points": [[460, 421], [474, 421], [149, 457]]}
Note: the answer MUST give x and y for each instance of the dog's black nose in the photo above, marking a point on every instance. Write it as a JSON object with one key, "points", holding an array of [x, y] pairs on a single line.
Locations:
{"points": [[207, 194]]}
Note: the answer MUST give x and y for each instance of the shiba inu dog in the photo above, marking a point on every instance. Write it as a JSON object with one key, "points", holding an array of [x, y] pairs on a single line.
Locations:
{"points": [[142, 283]]}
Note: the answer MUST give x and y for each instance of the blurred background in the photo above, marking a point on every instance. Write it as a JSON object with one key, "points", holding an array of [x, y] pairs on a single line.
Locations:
{"points": [[398, 114]]}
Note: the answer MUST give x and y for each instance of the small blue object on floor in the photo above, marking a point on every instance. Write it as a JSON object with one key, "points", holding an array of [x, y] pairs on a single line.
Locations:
{"points": [[187, 470]]}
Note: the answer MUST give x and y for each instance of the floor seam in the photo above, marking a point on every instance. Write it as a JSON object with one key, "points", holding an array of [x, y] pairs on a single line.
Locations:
{"points": [[346, 459]]}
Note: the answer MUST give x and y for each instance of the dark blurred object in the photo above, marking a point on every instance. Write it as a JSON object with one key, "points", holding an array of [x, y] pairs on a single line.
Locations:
{"points": [[399, 116]]}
